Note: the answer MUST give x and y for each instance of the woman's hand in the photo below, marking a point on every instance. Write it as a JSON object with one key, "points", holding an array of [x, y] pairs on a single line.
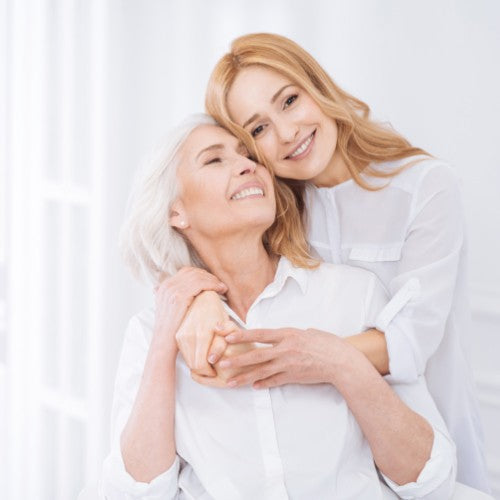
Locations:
{"points": [[195, 336], [173, 297], [221, 350], [293, 357]]}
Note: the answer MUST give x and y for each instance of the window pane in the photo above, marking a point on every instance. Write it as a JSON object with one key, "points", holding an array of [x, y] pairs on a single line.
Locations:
{"points": [[50, 286], [79, 288]]}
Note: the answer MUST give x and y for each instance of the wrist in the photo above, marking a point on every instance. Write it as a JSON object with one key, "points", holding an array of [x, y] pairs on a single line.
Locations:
{"points": [[345, 361], [164, 344]]}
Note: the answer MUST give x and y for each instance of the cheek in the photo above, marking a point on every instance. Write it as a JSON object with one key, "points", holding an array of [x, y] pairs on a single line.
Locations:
{"points": [[197, 198], [268, 146]]}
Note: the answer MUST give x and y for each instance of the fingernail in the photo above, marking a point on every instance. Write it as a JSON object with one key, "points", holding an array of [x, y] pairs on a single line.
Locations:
{"points": [[218, 326], [230, 337], [225, 363], [232, 383], [212, 358]]}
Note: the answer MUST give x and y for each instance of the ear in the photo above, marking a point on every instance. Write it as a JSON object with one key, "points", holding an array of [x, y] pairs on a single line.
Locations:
{"points": [[178, 217]]}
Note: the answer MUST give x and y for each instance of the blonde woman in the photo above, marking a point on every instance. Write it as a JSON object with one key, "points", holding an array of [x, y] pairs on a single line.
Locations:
{"points": [[205, 202], [371, 200]]}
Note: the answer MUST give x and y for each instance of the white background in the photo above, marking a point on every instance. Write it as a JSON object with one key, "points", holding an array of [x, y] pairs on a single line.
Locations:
{"points": [[88, 88]]}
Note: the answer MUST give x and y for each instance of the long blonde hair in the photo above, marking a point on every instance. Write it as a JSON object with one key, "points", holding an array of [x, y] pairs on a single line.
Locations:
{"points": [[361, 141]]}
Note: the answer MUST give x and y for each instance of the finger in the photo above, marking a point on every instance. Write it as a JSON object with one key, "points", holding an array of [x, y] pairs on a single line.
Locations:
{"points": [[255, 356], [250, 377], [216, 349], [226, 327], [195, 288], [208, 381], [264, 336], [273, 381], [195, 273], [201, 347], [208, 371]]}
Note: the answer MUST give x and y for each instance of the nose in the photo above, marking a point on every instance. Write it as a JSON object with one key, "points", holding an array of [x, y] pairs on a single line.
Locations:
{"points": [[286, 130], [246, 166]]}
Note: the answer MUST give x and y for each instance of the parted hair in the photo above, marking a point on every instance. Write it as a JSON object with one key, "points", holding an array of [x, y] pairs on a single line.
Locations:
{"points": [[361, 141], [153, 249]]}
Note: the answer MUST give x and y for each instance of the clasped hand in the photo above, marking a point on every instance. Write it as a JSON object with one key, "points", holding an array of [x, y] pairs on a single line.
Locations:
{"points": [[288, 356]]}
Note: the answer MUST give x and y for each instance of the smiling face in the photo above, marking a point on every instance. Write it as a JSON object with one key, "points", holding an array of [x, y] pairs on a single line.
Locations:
{"points": [[290, 129], [222, 191]]}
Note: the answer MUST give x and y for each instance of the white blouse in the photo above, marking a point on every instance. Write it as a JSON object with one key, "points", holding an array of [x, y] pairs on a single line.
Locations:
{"points": [[411, 235], [290, 442]]}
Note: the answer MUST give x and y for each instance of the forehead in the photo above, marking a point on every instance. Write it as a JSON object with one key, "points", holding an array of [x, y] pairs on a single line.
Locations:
{"points": [[254, 86], [205, 136]]}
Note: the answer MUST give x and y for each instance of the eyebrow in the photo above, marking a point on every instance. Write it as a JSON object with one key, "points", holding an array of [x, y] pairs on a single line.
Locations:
{"points": [[210, 148], [273, 100]]}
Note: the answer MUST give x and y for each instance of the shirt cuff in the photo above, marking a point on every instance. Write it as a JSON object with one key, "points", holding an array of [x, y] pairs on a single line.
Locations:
{"points": [[118, 484], [403, 365], [437, 479]]}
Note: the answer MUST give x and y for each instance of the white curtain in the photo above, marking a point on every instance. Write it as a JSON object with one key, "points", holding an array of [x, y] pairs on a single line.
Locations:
{"points": [[88, 86]]}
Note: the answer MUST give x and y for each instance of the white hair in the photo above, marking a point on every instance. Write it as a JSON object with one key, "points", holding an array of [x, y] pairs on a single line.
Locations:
{"points": [[150, 246]]}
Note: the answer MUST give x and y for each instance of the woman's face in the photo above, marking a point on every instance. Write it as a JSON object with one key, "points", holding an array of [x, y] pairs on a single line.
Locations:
{"points": [[289, 128], [222, 191]]}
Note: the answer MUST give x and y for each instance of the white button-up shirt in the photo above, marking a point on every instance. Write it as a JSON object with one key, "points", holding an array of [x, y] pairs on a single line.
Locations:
{"points": [[411, 235], [289, 442]]}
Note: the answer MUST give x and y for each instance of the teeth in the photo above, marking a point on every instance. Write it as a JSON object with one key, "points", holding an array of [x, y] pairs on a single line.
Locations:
{"points": [[247, 192], [302, 147]]}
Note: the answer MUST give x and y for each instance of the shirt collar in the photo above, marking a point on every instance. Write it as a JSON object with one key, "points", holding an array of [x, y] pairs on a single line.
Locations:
{"points": [[284, 271]]}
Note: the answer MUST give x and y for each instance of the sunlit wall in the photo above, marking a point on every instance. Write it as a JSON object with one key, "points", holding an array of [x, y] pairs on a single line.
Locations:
{"points": [[88, 87]]}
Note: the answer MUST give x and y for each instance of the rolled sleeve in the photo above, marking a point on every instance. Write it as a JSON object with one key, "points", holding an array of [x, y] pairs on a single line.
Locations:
{"points": [[404, 360], [436, 481], [423, 288], [120, 485]]}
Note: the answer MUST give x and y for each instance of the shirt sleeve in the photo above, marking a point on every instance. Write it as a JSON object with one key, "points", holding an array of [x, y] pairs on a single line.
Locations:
{"points": [[436, 480], [116, 483], [423, 289]]}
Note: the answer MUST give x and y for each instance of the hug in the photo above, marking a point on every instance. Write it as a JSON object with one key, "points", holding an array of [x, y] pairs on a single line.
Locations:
{"points": [[308, 266]]}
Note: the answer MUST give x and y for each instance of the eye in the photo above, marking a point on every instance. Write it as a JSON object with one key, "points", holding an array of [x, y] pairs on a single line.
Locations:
{"points": [[213, 160], [257, 130], [290, 100]]}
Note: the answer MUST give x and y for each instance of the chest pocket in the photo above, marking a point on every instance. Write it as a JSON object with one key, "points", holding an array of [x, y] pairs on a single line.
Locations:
{"points": [[375, 254]]}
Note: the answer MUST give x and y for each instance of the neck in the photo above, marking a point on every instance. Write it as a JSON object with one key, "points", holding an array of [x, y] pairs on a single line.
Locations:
{"points": [[335, 173], [243, 264]]}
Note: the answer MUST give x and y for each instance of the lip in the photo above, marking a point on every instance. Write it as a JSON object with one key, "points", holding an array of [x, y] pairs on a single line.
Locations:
{"points": [[247, 185], [298, 144]]}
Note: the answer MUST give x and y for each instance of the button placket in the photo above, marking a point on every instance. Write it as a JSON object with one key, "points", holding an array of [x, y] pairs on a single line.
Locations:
{"points": [[271, 457]]}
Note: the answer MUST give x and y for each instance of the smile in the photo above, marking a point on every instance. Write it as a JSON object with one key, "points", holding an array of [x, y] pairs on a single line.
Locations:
{"points": [[302, 148], [245, 193]]}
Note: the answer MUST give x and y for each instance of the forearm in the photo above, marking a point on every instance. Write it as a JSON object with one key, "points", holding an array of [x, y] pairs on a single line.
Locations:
{"points": [[147, 441], [373, 345], [400, 439]]}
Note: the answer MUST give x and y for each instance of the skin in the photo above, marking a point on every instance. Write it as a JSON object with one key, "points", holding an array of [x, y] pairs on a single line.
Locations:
{"points": [[281, 117], [228, 238]]}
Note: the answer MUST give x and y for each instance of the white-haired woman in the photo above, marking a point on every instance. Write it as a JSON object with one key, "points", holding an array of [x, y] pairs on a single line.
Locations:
{"points": [[206, 203]]}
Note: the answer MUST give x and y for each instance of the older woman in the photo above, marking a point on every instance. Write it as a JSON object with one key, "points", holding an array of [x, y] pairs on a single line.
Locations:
{"points": [[206, 203]]}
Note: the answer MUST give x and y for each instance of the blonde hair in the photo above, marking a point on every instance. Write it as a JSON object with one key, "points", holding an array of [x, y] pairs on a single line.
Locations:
{"points": [[153, 249], [361, 141]]}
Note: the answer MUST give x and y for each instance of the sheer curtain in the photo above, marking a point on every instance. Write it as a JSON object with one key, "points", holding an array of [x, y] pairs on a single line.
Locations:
{"points": [[55, 124], [88, 86]]}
